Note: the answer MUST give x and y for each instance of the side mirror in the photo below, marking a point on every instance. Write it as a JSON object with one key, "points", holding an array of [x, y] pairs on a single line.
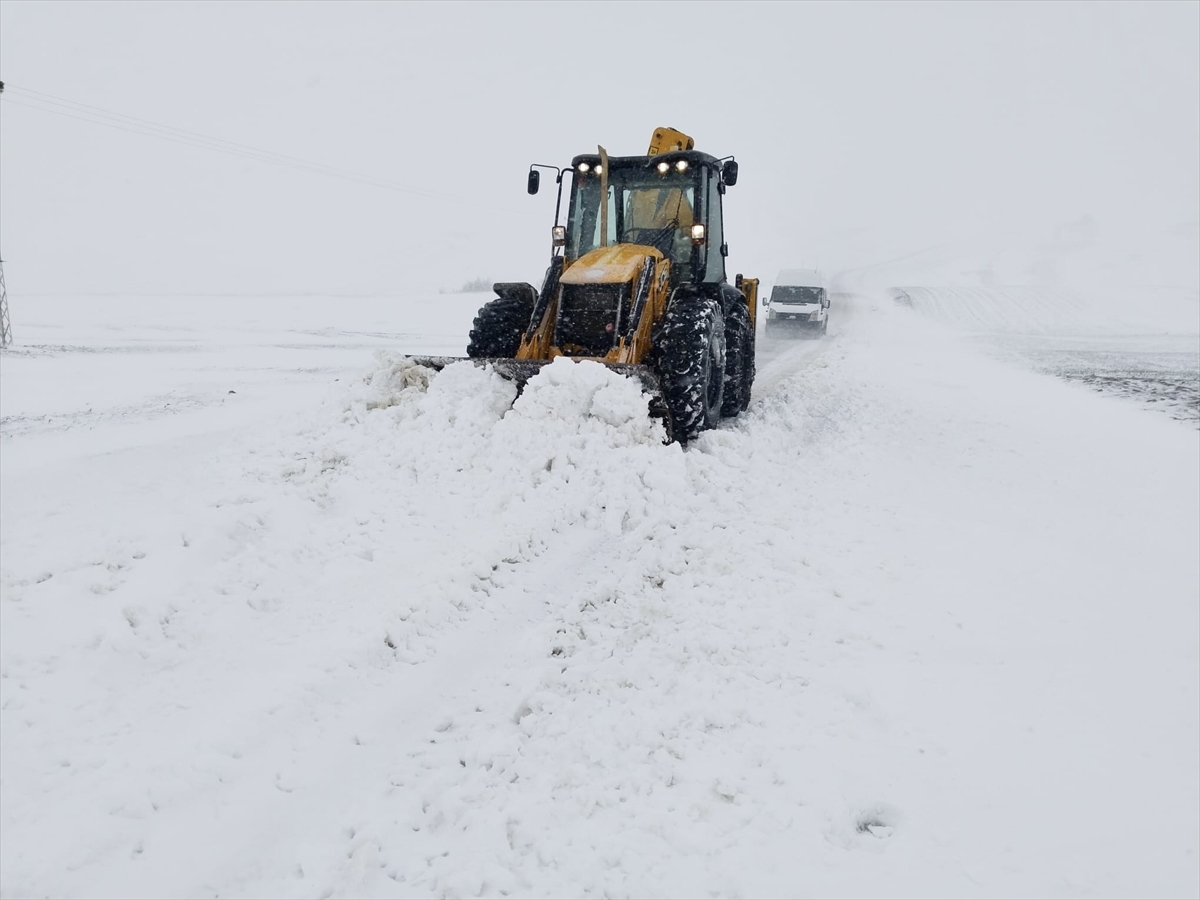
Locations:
{"points": [[535, 179], [729, 172]]}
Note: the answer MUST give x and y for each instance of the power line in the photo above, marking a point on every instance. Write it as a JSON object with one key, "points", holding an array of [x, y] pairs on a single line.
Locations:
{"points": [[72, 109], [304, 167], [179, 136], [43, 97]]}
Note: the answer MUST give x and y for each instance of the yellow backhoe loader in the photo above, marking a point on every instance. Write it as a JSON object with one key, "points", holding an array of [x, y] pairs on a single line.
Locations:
{"points": [[636, 282]]}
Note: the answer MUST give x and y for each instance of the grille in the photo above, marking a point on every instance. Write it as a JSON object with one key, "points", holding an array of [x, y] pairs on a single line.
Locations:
{"points": [[587, 317]]}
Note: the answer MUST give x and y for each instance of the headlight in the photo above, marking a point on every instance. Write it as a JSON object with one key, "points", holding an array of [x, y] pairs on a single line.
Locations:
{"points": [[583, 167], [662, 168], [559, 235], [681, 165], [697, 233]]}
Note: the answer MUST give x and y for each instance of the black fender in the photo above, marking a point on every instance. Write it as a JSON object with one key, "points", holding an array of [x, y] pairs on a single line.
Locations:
{"points": [[521, 290], [723, 292], [697, 289], [731, 298]]}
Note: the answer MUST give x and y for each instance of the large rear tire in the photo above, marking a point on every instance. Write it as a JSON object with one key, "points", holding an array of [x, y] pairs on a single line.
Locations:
{"points": [[498, 327], [739, 361], [691, 364]]}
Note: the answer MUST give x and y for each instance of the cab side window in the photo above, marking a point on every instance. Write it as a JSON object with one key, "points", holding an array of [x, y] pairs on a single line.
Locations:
{"points": [[714, 270]]}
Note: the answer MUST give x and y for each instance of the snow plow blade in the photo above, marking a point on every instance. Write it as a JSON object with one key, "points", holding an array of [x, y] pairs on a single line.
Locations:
{"points": [[519, 371]]}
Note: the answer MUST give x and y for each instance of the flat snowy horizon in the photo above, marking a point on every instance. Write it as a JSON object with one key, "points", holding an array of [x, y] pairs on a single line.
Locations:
{"points": [[280, 616]]}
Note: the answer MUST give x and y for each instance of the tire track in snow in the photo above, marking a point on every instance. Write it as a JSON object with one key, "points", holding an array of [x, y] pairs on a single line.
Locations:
{"points": [[779, 359], [341, 751], [87, 419]]}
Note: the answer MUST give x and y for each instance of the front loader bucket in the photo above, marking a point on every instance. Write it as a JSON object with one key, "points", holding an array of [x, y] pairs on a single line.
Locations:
{"points": [[519, 371]]}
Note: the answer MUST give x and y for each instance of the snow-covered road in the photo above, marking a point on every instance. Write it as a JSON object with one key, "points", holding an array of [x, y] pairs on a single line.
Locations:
{"points": [[920, 622]]}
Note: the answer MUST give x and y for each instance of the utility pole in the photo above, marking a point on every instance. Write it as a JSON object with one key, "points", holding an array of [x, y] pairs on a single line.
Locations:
{"points": [[5, 322]]}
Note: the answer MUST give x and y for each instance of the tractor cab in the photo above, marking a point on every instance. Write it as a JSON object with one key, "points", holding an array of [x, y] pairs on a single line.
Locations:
{"points": [[670, 202]]}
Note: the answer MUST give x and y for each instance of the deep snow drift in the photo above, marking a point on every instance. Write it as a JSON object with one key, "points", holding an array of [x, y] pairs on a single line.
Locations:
{"points": [[918, 623], [1119, 313], [1146, 349]]}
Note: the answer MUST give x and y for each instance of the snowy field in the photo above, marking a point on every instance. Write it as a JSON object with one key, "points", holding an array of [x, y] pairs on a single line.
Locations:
{"points": [[281, 617], [1144, 347]]}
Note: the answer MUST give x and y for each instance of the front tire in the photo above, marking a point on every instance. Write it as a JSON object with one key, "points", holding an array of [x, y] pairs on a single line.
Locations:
{"points": [[499, 327], [691, 364]]}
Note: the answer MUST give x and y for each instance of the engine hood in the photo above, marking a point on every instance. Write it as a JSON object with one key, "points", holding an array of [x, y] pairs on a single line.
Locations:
{"points": [[617, 264]]}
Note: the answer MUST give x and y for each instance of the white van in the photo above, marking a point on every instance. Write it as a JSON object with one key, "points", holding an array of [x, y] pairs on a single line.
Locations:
{"points": [[798, 304]]}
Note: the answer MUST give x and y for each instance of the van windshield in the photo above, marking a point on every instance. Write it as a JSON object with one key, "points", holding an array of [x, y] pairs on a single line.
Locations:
{"points": [[790, 293]]}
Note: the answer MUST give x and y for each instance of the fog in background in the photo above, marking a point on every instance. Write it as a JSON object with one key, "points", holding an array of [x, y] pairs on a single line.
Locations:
{"points": [[865, 132]]}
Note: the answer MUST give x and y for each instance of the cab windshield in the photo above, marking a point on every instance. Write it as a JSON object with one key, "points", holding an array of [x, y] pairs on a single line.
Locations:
{"points": [[644, 207]]}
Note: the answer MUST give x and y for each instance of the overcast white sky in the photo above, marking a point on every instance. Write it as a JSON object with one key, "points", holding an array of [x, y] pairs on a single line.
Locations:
{"points": [[862, 130]]}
